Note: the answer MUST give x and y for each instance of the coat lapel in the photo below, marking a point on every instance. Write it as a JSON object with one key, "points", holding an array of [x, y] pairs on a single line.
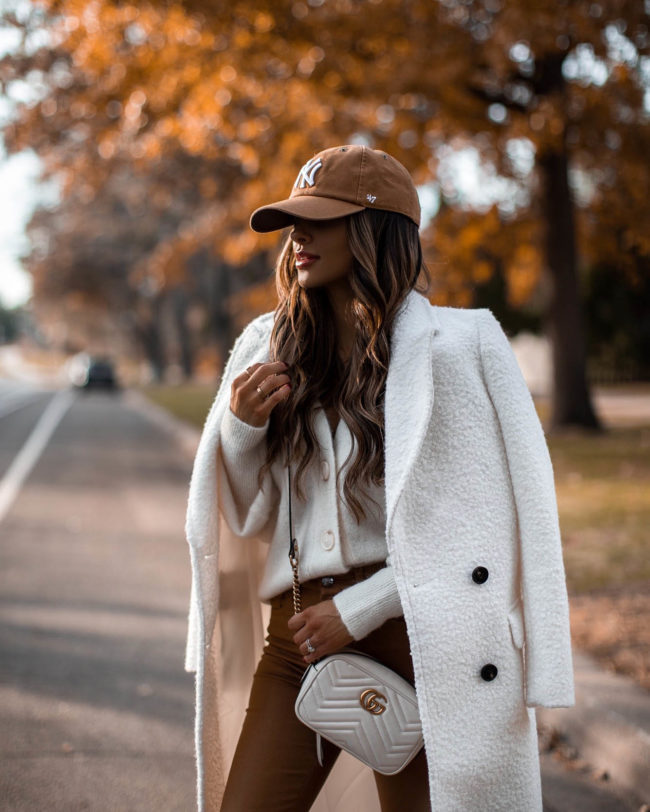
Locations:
{"points": [[409, 393]]}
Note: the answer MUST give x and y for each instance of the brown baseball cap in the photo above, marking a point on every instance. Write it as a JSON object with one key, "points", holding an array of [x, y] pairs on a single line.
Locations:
{"points": [[341, 181]]}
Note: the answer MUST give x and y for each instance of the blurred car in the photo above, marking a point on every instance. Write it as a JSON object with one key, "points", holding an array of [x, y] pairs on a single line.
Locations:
{"points": [[91, 372]]}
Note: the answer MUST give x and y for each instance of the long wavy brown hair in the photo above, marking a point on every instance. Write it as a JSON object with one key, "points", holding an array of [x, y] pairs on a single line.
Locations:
{"points": [[387, 265]]}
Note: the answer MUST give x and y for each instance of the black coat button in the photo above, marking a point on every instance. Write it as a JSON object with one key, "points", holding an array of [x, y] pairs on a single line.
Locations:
{"points": [[489, 672], [480, 575]]}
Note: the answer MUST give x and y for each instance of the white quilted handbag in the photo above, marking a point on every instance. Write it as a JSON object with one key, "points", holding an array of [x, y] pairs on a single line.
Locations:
{"points": [[356, 702], [363, 707]]}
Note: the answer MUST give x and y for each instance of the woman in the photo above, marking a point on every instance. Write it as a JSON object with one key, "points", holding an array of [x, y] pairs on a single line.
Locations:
{"points": [[427, 526]]}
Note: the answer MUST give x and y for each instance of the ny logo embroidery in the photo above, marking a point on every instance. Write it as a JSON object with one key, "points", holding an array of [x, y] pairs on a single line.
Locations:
{"points": [[306, 174]]}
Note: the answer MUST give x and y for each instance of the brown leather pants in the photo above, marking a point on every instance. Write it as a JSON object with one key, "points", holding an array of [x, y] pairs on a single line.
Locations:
{"points": [[275, 767]]}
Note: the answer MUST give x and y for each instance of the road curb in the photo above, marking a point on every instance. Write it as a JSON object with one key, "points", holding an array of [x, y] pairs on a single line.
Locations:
{"points": [[609, 725], [185, 434]]}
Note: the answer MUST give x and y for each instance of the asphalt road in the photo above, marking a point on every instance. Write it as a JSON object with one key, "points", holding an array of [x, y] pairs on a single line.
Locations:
{"points": [[96, 711]]}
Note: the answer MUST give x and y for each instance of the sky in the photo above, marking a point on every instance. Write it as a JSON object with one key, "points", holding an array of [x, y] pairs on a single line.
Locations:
{"points": [[19, 193], [18, 196]]}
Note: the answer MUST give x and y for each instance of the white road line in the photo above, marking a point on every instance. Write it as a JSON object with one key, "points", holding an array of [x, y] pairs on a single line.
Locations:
{"points": [[28, 455], [11, 406]]}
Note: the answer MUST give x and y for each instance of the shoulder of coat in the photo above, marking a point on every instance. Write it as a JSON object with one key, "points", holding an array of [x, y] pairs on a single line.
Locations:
{"points": [[460, 315], [462, 312], [258, 327], [264, 322], [463, 326]]}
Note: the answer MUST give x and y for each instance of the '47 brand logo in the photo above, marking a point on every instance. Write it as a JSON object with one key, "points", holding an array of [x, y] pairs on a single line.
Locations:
{"points": [[306, 174]]}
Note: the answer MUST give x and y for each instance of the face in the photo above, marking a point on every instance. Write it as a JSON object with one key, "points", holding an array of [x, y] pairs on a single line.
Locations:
{"points": [[323, 256]]}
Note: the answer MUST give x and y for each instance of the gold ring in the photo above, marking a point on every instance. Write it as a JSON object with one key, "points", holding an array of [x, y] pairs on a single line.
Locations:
{"points": [[261, 392], [248, 371]]}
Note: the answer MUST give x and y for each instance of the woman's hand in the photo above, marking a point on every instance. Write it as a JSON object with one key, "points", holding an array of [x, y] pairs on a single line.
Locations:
{"points": [[323, 626], [247, 403]]}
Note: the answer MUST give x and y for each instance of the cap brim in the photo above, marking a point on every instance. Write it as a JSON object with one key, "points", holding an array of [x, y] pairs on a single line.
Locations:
{"points": [[281, 214]]}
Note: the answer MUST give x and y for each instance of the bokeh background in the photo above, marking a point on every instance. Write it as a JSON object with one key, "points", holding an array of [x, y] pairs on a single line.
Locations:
{"points": [[137, 139]]}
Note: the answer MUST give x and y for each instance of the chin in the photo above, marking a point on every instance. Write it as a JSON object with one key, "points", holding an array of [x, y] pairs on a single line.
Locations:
{"points": [[307, 281]]}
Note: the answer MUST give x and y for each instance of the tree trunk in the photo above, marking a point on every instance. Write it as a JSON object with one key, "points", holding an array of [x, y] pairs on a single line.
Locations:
{"points": [[571, 401], [147, 329], [179, 309], [221, 319]]}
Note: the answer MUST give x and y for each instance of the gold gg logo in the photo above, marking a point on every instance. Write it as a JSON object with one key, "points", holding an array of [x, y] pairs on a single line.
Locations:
{"points": [[369, 701]]}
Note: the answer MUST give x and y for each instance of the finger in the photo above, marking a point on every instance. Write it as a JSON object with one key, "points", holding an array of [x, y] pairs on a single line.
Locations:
{"points": [[296, 621], [273, 382], [300, 637], [238, 383], [303, 646], [265, 381], [303, 629], [262, 371], [242, 378], [320, 650], [308, 632], [273, 399], [250, 369]]}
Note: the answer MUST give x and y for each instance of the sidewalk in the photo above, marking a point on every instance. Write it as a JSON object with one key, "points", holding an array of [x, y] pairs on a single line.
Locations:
{"points": [[608, 729], [609, 726]]}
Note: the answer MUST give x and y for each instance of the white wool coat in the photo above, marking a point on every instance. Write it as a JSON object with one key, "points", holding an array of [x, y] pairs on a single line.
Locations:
{"points": [[472, 529]]}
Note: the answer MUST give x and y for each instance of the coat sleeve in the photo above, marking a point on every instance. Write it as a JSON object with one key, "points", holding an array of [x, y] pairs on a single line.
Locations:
{"points": [[547, 649], [201, 516]]}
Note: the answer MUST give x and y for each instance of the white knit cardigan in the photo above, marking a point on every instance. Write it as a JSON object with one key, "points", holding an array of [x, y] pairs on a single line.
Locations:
{"points": [[329, 539], [473, 533]]}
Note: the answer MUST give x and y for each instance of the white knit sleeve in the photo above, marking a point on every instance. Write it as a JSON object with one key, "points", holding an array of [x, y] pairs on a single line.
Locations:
{"points": [[242, 451], [365, 606]]}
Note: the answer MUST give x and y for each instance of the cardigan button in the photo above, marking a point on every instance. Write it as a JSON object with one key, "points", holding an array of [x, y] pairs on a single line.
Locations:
{"points": [[327, 580], [327, 540], [489, 672], [325, 469], [480, 575]]}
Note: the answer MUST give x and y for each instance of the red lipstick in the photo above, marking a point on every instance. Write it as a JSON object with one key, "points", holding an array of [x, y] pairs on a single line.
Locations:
{"points": [[304, 260]]}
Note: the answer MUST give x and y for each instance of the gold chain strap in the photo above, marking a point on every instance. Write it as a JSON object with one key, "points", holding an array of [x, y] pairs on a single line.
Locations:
{"points": [[293, 552], [297, 603]]}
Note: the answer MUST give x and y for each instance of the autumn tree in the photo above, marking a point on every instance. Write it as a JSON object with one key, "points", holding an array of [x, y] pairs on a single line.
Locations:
{"points": [[255, 88]]}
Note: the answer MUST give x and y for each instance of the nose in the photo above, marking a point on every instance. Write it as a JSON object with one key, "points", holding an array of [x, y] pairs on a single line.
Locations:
{"points": [[300, 232]]}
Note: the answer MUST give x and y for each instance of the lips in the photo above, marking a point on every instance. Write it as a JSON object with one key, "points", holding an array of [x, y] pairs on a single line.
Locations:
{"points": [[303, 259]]}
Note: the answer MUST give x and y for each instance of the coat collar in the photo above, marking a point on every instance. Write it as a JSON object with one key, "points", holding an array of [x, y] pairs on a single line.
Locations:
{"points": [[408, 400]]}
